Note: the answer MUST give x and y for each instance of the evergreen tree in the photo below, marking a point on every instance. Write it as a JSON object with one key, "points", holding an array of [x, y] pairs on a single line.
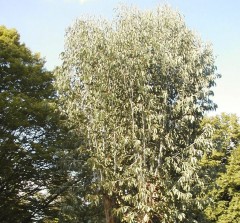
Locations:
{"points": [[136, 89]]}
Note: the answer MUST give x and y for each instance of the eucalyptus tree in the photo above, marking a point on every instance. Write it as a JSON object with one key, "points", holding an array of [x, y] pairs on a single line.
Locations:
{"points": [[137, 88]]}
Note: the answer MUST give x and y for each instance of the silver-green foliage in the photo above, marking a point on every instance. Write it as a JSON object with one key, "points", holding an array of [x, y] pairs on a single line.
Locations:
{"points": [[137, 88]]}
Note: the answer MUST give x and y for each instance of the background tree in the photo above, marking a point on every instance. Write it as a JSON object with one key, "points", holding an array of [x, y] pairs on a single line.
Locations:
{"points": [[30, 135], [226, 194], [225, 138], [222, 165], [137, 88]]}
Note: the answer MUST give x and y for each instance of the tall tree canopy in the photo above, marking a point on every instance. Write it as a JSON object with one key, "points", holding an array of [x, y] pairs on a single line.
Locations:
{"points": [[30, 136], [137, 88]]}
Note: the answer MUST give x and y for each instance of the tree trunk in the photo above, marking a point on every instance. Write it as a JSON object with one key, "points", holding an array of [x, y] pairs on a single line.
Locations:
{"points": [[108, 207]]}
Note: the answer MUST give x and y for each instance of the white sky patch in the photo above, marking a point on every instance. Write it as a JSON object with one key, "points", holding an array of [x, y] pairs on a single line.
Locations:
{"points": [[79, 1]]}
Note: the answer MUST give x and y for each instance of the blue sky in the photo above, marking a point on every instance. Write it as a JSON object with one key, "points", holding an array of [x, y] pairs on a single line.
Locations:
{"points": [[42, 25]]}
